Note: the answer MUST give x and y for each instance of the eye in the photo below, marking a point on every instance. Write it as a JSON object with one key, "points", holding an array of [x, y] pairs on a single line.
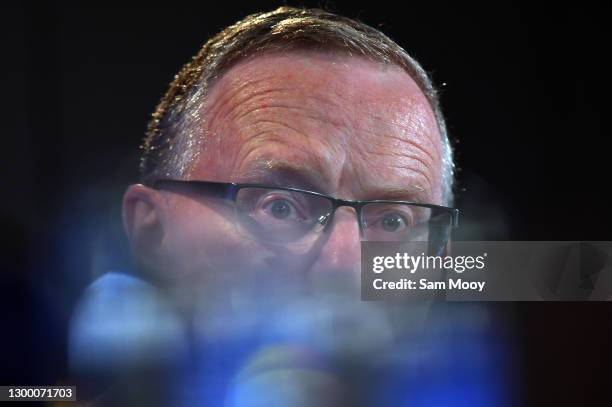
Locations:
{"points": [[281, 208], [393, 222]]}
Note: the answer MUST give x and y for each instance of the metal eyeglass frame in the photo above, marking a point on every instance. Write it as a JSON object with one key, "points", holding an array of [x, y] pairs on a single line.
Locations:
{"points": [[229, 191]]}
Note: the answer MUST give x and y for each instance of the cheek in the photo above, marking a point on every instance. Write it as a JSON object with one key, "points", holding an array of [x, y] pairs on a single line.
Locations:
{"points": [[204, 242], [205, 249]]}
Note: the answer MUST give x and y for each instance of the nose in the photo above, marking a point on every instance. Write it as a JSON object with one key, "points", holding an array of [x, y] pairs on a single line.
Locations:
{"points": [[341, 250]]}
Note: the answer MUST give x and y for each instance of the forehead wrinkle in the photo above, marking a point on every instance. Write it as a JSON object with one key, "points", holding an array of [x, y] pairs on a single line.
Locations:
{"points": [[412, 143], [250, 96], [421, 118], [269, 108], [281, 124], [262, 166], [270, 138], [228, 132], [421, 176], [273, 122], [250, 113], [223, 89], [307, 105], [238, 78], [409, 163], [265, 85], [426, 159], [410, 157], [405, 137], [422, 159], [224, 106], [372, 187], [409, 142]]}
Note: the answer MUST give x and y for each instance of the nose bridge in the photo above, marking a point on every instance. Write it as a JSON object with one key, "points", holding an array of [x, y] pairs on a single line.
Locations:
{"points": [[345, 210], [350, 206], [341, 250]]}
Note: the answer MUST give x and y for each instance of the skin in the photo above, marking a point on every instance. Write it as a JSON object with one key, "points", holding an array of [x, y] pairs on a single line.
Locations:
{"points": [[335, 124]]}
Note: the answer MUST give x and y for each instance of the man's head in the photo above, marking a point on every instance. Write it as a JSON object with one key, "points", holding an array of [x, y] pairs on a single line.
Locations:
{"points": [[292, 98]]}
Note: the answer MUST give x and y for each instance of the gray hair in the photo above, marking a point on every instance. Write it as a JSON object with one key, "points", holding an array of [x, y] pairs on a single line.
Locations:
{"points": [[172, 143]]}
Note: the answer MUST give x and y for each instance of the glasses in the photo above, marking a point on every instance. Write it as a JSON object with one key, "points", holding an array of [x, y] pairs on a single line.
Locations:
{"points": [[285, 215]]}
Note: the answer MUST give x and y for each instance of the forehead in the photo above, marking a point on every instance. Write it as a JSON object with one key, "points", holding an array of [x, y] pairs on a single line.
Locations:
{"points": [[346, 121]]}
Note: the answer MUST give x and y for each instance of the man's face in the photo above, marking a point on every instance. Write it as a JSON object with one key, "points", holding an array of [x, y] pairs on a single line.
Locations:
{"points": [[338, 125]]}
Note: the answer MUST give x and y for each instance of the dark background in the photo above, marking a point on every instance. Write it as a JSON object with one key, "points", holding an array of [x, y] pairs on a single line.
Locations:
{"points": [[523, 97]]}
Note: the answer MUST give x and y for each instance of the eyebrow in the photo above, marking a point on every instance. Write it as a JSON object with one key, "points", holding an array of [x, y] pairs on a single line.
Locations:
{"points": [[284, 174], [292, 174], [408, 193]]}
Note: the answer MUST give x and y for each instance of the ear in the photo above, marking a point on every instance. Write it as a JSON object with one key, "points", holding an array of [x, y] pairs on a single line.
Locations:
{"points": [[143, 214]]}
